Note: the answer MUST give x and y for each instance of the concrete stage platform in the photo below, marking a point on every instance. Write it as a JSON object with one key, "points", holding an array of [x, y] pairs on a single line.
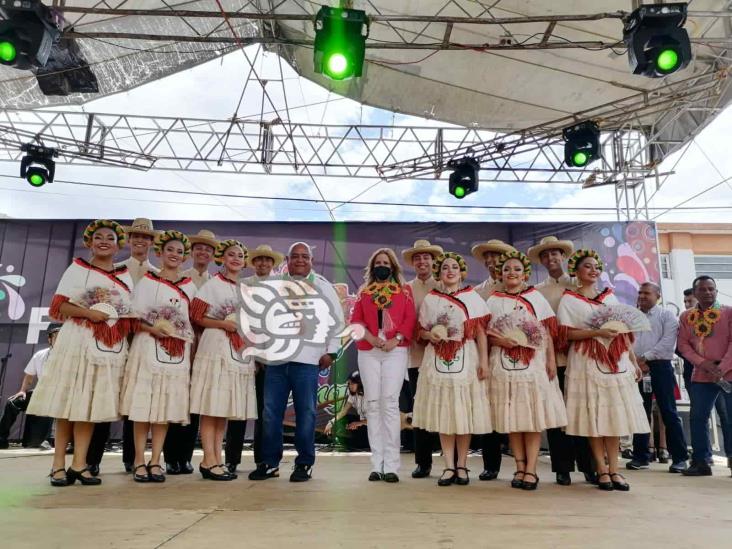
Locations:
{"points": [[339, 508]]}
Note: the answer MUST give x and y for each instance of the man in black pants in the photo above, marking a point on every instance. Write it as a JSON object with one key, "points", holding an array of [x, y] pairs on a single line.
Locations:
{"points": [[263, 260], [421, 257], [99, 439]]}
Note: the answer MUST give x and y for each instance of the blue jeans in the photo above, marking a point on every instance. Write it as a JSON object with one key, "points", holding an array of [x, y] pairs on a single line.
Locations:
{"points": [[703, 397], [663, 383], [719, 405], [302, 380]]}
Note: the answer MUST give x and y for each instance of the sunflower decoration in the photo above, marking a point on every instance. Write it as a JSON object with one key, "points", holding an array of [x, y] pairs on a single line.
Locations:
{"points": [[576, 258], [514, 254], [382, 292], [97, 224], [225, 245], [437, 265], [703, 322], [169, 236]]}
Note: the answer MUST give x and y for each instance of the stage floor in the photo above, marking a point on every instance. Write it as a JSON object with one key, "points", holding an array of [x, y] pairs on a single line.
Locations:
{"points": [[339, 508]]}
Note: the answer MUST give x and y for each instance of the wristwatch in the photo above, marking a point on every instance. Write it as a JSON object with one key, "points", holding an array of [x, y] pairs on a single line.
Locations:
{"points": [[399, 337]]}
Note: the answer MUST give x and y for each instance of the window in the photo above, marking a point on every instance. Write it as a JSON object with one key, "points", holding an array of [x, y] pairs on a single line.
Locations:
{"points": [[665, 266], [716, 266]]}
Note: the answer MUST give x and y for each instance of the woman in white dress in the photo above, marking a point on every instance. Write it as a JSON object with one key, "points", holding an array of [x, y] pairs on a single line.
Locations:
{"points": [[81, 382], [222, 384], [603, 401], [451, 396], [155, 389], [524, 392]]}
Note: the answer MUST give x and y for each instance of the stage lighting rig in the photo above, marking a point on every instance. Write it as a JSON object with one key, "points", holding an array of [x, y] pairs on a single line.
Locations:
{"points": [[37, 166], [340, 42], [581, 144], [464, 180], [27, 33], [657, 42]]}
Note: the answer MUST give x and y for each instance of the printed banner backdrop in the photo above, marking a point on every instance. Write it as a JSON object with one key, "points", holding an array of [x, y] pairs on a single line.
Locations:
{"points": [[34, 255]]}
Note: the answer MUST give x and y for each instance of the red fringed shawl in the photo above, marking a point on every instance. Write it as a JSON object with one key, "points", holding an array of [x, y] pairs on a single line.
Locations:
{"points": [[610, 357], [198, 311], [525, 355], [447, 350], [103, 332]]}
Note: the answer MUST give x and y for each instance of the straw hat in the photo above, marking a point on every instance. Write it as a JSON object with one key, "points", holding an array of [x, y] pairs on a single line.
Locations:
{"points": [[263, 250], [204, 236], [550, 243], [141, 226], [421, 246], [493, 245]]}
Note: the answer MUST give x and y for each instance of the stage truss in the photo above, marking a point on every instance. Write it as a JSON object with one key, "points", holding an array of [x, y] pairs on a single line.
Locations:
{"points": [[638, 131]]}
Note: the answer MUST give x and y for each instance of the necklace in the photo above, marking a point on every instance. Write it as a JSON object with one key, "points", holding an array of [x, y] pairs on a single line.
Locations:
{"points": [[381, 293], [703, 321]]}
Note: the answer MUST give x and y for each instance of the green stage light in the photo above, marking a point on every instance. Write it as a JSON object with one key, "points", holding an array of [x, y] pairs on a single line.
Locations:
{"points": [[580, 158], [464, 180], [459, 191], [667, 61], [581, 144], [8, 53], [37, 166], [340, 42], [36, 179]]}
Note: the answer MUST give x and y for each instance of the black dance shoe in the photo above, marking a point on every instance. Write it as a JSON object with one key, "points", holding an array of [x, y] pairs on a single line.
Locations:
{"points": [[172, 469], [591, 478], [231, 467], [517, 482], [487, 474], [208, 474], [141, 477], [606, 486], [442, 481], [421, 472], [374, 476], [391, 478], [564, 479], [460, 481], [698, 470], [93, 469], [72, 476], [619, 486], [303, 473], [186, 468], [530, 485], [263, 472], [155, 477], [232, 474], [58, 482]]}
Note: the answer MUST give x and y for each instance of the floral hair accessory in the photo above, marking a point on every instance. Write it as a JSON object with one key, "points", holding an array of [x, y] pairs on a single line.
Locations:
{"points": [[522, 257], [169, 236], [94, 226], [576, 258], [225, 245], [437, 265]]}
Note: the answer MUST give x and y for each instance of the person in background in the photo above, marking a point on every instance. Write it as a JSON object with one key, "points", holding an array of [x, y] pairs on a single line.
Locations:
{"points": [[299, 376], [140, 237], [654, 350], [385, 309], [488, 253], [564, 450], [39, 427], [421, 257], [181, 439], [263, 259], [705, 339], [354, 410]]}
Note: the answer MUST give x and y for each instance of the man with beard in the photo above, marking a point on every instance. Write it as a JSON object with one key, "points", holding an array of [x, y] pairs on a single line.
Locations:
{"points": [[263, 260], [488, 254], [421, 257], [141, 236]]}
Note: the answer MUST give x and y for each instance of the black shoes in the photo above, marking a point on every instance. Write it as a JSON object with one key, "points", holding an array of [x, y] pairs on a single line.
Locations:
{"points": [[374, 476], [677, 467], [591, 478], [619, 486], [141, 477], [606, 486], [186, 468], [636, 465], [698, 470], [208, 474], [72, 476], [488, 475], [231, 467], [57, 482], [302, 473], [421, 472], [172, 468], [129, 468], [462, 481], [564, 479], [447, 481], [263, 472], [155, 476], [517, 482], [530, 485], [391, 477], [93, 469]]}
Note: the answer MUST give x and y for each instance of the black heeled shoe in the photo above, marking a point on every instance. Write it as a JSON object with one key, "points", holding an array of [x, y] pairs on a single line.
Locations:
{"points": [[619, 486], [141, 478], [208, 474], [530, 485], [460, 481], [606, 486], [73, 475], [57, 482], [155, 477], [517, 482], [232, 474], [447, 481]]}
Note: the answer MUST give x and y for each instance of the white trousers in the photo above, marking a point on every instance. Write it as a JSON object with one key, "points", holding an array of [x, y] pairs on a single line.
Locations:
{"points": [[382, 375]]}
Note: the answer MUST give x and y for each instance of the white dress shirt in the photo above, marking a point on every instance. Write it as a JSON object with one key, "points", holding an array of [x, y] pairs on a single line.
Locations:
{"points": [[660, 342], [37, 362]]}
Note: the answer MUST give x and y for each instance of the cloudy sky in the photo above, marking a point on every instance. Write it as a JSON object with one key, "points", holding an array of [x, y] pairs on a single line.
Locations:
{"points": [[213, 90]]}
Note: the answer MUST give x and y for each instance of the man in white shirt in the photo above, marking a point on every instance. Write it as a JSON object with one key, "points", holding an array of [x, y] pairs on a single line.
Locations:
{"points": [[263, 259], [488, 254], [37, 428], [300, 376], [421, 257], [203, 246]]}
